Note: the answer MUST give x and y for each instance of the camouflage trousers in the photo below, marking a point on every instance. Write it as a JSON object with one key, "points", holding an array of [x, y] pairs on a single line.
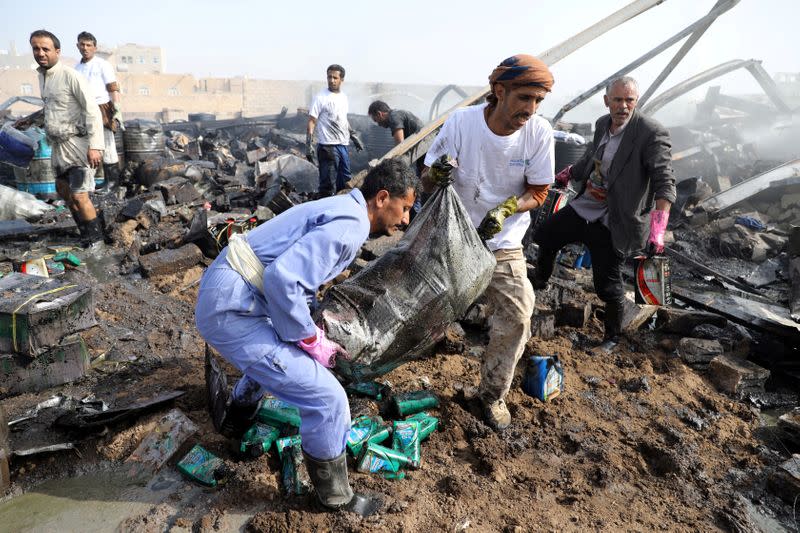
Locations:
{"points": [[510, 302]]}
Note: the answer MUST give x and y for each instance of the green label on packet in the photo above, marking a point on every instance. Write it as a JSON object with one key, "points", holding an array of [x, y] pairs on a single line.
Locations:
{"points": [[406, 439], [377, 458], [366, 429], [294, 476], [203, 466], [258, 439], [427, 424], [287, 442], [278, 413]]}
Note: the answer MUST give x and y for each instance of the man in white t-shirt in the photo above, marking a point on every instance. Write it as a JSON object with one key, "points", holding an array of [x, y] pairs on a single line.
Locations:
{"points": [[504, 156], [104, 84], [328, 117]]}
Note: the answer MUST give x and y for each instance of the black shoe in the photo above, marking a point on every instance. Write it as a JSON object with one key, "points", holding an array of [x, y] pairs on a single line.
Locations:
{"points": [[111, 184], [612, 321]]}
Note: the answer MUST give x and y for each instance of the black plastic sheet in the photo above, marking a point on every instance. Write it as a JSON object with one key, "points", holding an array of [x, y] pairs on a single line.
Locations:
{"points": [[399, 306]]}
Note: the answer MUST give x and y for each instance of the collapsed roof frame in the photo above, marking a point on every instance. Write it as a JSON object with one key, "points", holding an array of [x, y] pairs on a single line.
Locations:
{"points": [[696, 29], [751, 65], [415, 146]]}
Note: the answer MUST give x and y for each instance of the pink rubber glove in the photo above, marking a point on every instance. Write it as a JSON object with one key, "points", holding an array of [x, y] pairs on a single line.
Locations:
{"points": [[658, 226], [323, 350], [563, 177]]}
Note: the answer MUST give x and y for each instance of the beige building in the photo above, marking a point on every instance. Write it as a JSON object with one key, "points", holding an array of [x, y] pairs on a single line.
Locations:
{"points": [[137, 59], [149, 92]]}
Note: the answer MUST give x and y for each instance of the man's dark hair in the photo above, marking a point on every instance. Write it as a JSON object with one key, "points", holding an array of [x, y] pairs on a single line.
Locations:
{"points": [[45, 33], [392, 175], [377, 106], [86, 36], [336, 67]]}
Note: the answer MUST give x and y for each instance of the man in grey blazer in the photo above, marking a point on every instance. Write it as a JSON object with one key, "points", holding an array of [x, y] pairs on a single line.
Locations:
{"points": [[627, 171]]}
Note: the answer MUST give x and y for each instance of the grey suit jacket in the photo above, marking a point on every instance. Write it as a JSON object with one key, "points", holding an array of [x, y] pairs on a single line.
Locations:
{"points": [[640, 173]]}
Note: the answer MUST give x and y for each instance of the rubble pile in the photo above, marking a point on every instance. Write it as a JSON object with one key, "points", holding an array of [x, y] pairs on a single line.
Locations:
{"points": [[661, 433]]}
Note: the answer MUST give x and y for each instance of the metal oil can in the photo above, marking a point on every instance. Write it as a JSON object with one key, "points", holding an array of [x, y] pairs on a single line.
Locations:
{"points": [[651, 280]]}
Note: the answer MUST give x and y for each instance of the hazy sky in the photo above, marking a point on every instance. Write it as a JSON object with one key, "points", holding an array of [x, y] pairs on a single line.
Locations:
{"points": [[415, 41]]}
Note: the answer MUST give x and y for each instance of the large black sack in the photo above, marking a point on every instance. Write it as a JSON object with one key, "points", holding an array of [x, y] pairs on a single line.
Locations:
{"points": [[399, 306]]}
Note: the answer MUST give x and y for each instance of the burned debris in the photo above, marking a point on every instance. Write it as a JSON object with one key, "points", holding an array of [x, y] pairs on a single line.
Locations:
{"points": [[102, 368]]}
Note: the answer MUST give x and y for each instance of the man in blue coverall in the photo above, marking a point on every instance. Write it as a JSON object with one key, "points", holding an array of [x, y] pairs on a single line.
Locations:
{"points": [[252, 307]]}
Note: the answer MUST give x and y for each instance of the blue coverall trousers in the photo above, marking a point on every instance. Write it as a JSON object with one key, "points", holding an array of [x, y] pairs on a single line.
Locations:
{"points": [[231, 317]]}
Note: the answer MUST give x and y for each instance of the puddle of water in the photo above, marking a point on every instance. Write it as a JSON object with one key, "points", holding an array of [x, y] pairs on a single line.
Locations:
{"points": [[769, 417], [93, 502]]}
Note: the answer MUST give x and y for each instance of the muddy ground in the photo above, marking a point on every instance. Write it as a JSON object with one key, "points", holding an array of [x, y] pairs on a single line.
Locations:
{"points": [[612, 453]]}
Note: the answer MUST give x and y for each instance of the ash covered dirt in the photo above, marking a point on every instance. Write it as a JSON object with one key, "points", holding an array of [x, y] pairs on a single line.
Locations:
{"points": [[671, 456]]}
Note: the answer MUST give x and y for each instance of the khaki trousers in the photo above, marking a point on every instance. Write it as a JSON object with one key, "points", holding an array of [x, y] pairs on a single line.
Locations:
{"points": [[510, 302]]}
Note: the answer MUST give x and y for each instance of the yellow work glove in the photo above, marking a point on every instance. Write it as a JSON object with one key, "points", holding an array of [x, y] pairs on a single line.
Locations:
{"points": [[492, 223], [441, 172]]}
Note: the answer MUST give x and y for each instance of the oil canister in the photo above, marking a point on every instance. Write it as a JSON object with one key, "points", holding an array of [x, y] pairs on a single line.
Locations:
{"points": [[258, 439], [555, 201], [651, 280], [409, 403], [377, 458], [544, 377], [406, 438]]}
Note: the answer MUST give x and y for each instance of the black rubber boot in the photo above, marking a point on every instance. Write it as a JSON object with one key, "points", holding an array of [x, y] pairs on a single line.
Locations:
{"points": [[80, 224], [230, 418], [333, 488], [238, 418], [91, 232], [612, 323], [112, 177]]}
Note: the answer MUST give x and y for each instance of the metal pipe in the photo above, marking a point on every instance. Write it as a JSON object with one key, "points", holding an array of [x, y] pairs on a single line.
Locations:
{"points": [[768, 84], [550, 57], [703, 23], [690, 42], [693, 82]]}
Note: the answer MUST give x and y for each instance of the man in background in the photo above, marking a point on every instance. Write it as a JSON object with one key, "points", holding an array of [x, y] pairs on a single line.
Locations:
{"points": [[628, 173], [74, 130], [103, 81], [328, 118], [402, 124]]}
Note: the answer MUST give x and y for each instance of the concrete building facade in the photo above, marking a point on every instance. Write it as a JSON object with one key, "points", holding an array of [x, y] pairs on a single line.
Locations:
{"points": [[149, 92], [137, 59]]}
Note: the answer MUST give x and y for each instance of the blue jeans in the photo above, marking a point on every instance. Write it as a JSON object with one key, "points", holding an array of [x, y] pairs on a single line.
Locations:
{"points": [[333, 161]]}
